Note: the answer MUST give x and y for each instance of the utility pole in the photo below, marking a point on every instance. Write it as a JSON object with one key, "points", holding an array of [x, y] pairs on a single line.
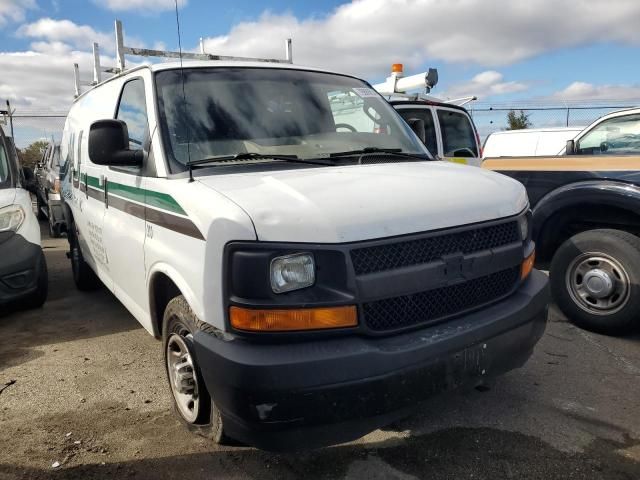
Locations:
{"points": [[10, 113]]}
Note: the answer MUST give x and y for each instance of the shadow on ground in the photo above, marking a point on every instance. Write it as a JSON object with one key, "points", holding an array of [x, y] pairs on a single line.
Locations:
{"points": [[455, 453], [67, 315]]}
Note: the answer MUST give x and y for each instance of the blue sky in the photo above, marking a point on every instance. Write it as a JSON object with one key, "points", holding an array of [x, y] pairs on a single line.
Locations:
{"points": [[503, 51]]}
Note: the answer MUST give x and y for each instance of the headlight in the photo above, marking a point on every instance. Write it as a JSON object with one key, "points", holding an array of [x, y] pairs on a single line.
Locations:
{"points": [[11, 218], [292, 272], [523, 222]]}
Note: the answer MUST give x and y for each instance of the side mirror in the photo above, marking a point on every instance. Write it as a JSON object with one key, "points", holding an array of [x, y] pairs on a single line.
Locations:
{"points": [[417, 125], [571, 148], [29, 179], [109, 144]]}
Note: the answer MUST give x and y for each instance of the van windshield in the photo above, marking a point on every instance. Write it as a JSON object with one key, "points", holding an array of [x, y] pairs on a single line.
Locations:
{"points": [[230, 111]]}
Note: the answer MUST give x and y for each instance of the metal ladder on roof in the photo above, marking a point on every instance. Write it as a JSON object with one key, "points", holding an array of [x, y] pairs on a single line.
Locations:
{"points": [[122, 50]]}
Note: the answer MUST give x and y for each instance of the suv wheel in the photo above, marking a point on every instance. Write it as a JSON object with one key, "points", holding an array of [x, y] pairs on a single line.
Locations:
{"points": [[192, 401], [83, 276], [595, 280]]}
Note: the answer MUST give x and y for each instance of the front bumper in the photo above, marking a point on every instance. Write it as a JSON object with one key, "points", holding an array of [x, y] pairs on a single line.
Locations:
{"points": [[317, 393], [20, 267]]}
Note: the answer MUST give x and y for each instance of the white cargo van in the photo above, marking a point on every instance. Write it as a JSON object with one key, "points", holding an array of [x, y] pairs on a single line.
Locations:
{"points": [[530, 142], [310, 283], [446, 128]]}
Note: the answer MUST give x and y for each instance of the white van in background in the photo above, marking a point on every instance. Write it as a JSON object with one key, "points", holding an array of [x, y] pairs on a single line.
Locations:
{"points": [[530, 142], [445, 127]]}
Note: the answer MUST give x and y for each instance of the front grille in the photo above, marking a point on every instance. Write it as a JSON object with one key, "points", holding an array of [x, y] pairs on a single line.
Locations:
{"points": [[414, 252], [433, 305]]}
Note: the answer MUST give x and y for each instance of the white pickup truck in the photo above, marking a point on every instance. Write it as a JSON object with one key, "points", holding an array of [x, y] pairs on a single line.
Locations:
{"points": [[310, 282]]}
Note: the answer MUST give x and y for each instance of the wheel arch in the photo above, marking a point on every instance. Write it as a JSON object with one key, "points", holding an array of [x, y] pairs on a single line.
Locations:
{"points": [[164, 284], [584, 206]]}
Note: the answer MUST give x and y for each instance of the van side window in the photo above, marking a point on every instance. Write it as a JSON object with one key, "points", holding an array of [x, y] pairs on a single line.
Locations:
{"points": [[133, 111], [616, 136], [458, 138], [424, 114]]}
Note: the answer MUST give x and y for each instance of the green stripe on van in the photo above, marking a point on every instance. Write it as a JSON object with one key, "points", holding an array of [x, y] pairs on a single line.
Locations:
{"points": [[140, 195], [148, 197]]}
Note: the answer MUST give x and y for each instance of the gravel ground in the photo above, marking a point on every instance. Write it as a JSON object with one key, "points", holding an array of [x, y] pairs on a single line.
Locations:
{"points": [[90, 394]]}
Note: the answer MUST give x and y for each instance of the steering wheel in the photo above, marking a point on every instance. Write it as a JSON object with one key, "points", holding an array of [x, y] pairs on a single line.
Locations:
{"points": [[463, 152], [347, 126]]}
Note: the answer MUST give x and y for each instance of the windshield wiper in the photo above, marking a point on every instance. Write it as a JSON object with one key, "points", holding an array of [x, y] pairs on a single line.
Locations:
{"points": [[248, 156], [374, 150]]}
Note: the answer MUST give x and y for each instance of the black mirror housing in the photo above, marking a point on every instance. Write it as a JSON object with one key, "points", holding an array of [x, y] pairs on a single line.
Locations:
{"points": [[109, 144], [571, 147], [417, 125]]}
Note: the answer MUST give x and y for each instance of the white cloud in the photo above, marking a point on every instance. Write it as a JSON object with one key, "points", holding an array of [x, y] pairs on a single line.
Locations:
{"points": [[366, 36], [146, 6], [37, 81], [485, 84], [590, 92], [14, 10], [55, 34], [57, 31]]}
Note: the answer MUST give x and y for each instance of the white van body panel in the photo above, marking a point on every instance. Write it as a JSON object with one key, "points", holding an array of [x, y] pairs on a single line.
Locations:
{"points": [[364, 201], [296, 204], [533, 142]]}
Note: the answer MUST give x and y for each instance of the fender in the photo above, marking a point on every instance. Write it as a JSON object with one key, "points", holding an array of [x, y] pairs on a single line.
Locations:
{"points": [[602, 192], [180, 282]]}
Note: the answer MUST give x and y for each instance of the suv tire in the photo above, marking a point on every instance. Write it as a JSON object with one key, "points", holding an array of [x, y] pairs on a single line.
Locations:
{"points": [[192, 401], [83, 276], [595, 280]]}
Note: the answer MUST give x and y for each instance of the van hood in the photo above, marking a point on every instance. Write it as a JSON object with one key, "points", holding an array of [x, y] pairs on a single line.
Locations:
{"points": [[361, 202], [7, 196]]}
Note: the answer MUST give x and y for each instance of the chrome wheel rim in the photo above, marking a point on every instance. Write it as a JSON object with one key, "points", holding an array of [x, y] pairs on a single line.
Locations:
{"points": [[182, 376], [598, 283]]}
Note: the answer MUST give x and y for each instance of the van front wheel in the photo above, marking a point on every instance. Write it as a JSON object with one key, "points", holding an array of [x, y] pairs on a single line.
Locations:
{"points": [[192, 401]]}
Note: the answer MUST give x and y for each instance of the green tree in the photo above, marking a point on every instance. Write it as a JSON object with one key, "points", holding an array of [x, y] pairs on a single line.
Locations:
{"points": [[32, 154], [518, 121]]}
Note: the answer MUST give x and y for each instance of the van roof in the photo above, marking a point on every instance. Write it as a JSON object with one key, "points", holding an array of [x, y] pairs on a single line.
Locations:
{"points": [[538, 130], [427, 102], [162, 66]]}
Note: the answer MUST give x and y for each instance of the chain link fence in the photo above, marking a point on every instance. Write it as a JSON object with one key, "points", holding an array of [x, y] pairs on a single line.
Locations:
{"points": [[493, 118], [32, 126]]}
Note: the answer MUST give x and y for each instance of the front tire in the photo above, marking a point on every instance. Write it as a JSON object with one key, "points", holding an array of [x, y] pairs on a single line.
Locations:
{"points": [[192, 401], [595, 280], [83, 276]]}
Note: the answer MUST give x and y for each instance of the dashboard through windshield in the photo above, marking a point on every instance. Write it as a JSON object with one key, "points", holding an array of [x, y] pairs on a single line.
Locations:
{"points": [[230, 111]]}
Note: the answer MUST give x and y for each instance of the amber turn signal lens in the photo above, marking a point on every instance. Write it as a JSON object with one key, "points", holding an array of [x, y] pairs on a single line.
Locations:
{"points": [[527, 265], [286, 320]]}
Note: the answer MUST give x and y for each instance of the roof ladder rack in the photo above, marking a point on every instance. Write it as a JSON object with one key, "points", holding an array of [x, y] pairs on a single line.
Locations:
{"points": [[122, 50]]}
